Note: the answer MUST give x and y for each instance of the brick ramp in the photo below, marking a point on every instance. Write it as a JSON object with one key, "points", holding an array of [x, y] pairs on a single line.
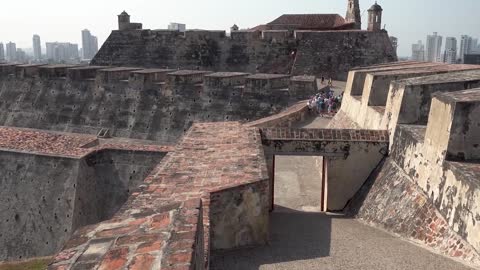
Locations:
{"points": [[162, 225]]}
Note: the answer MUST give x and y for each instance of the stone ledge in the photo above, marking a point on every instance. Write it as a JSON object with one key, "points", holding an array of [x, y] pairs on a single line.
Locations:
{"points": [[290, 134]]}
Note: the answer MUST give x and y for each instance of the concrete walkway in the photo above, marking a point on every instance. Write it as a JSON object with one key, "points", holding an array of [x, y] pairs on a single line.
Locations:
{"points": [[303, 241]]}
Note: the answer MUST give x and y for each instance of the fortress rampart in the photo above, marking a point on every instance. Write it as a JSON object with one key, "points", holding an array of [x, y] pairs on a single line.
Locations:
{"points": [[431, 172], [151, 205], [318, 53], [152, 104]]}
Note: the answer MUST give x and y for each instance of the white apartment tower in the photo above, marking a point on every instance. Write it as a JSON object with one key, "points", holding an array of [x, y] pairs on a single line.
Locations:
{"points": [[450, 55], [37, 48], [418, 51], [434, 48]]}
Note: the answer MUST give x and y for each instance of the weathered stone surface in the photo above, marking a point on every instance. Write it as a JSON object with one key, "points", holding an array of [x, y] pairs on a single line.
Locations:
{"points": [[391, 199], [51, 185], [203, 167], [327, 53], [153, 104], [358, 150]]}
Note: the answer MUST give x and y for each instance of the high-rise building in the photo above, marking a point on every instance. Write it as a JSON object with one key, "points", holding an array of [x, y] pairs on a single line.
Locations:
{"points": [[11, 52], [434, 48], [37, 48], [177, 26], [89, 44], [2, 52], [450, 54], [394, 41], [418, 51], [466, 46], [21, 56], [94, 45], [62, 52], [472, 59]]}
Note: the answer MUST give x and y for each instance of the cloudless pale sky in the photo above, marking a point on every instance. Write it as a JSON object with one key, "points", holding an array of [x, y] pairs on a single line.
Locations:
{"points": [[63, 20]]}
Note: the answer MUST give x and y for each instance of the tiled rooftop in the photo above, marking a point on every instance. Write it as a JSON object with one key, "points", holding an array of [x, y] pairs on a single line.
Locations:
{"points": [[420, 70], [58, 66], [311, 21], [64, 144], [88, 68], [153, 70], [226, 74], [457, 76], [188, 72], [31, 65], [304, 78], [471, 95], [115, 69], [262, 76]]}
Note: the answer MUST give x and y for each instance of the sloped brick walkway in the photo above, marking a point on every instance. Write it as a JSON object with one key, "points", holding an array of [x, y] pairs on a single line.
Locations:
{"points": [[163, 225]]}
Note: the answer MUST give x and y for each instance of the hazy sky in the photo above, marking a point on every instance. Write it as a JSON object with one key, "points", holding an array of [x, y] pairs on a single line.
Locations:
{"points": [[62, 20]]}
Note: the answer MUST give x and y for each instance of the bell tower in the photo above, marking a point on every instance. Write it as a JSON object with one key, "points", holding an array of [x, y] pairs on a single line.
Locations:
{"points": [[375, 18], [353, 13]]}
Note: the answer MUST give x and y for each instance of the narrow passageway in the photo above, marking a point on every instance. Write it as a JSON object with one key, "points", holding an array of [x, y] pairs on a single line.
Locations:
{"points": [[298, 183], [303, 238]]}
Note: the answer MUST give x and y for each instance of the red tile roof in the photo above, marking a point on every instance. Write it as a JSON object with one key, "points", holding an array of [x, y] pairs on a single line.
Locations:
{"points": [[311, 21]]}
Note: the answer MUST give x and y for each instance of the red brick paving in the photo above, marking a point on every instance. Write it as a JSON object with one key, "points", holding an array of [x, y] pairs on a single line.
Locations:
{"points": [[65, 144], [160, 224]]}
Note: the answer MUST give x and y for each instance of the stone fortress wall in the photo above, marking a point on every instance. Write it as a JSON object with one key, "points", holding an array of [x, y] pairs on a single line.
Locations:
{"points": [[212, 191], [427, 189], [54, 183], [318, 53], [77, 141], [149, 104]]}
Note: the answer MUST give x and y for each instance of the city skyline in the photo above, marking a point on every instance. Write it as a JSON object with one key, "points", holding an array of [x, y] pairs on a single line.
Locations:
{"points": [[452, 52], [100, 20]]}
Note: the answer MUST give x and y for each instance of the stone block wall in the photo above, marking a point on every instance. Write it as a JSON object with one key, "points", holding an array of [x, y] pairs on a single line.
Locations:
{"points": [[37, 204], [327, 53], [373, 96], [147, 104], [427, 191], [392, 201], [45, 198], [239, 216], [351, 155]]}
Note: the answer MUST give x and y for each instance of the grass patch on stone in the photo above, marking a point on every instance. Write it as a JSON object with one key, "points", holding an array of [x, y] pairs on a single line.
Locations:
{"points": [[34, 264]]}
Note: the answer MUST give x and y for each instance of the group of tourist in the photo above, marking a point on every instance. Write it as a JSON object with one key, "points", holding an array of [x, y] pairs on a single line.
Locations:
{"points": [[325, 102]]}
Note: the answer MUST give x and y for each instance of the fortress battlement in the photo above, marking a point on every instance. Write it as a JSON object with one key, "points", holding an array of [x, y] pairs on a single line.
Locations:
{"points": [[328, 53], [140, 78]]}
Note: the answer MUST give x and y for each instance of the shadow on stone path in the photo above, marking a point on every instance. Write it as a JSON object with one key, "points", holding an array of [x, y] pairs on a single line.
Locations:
{"points": [[323, 241]]}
